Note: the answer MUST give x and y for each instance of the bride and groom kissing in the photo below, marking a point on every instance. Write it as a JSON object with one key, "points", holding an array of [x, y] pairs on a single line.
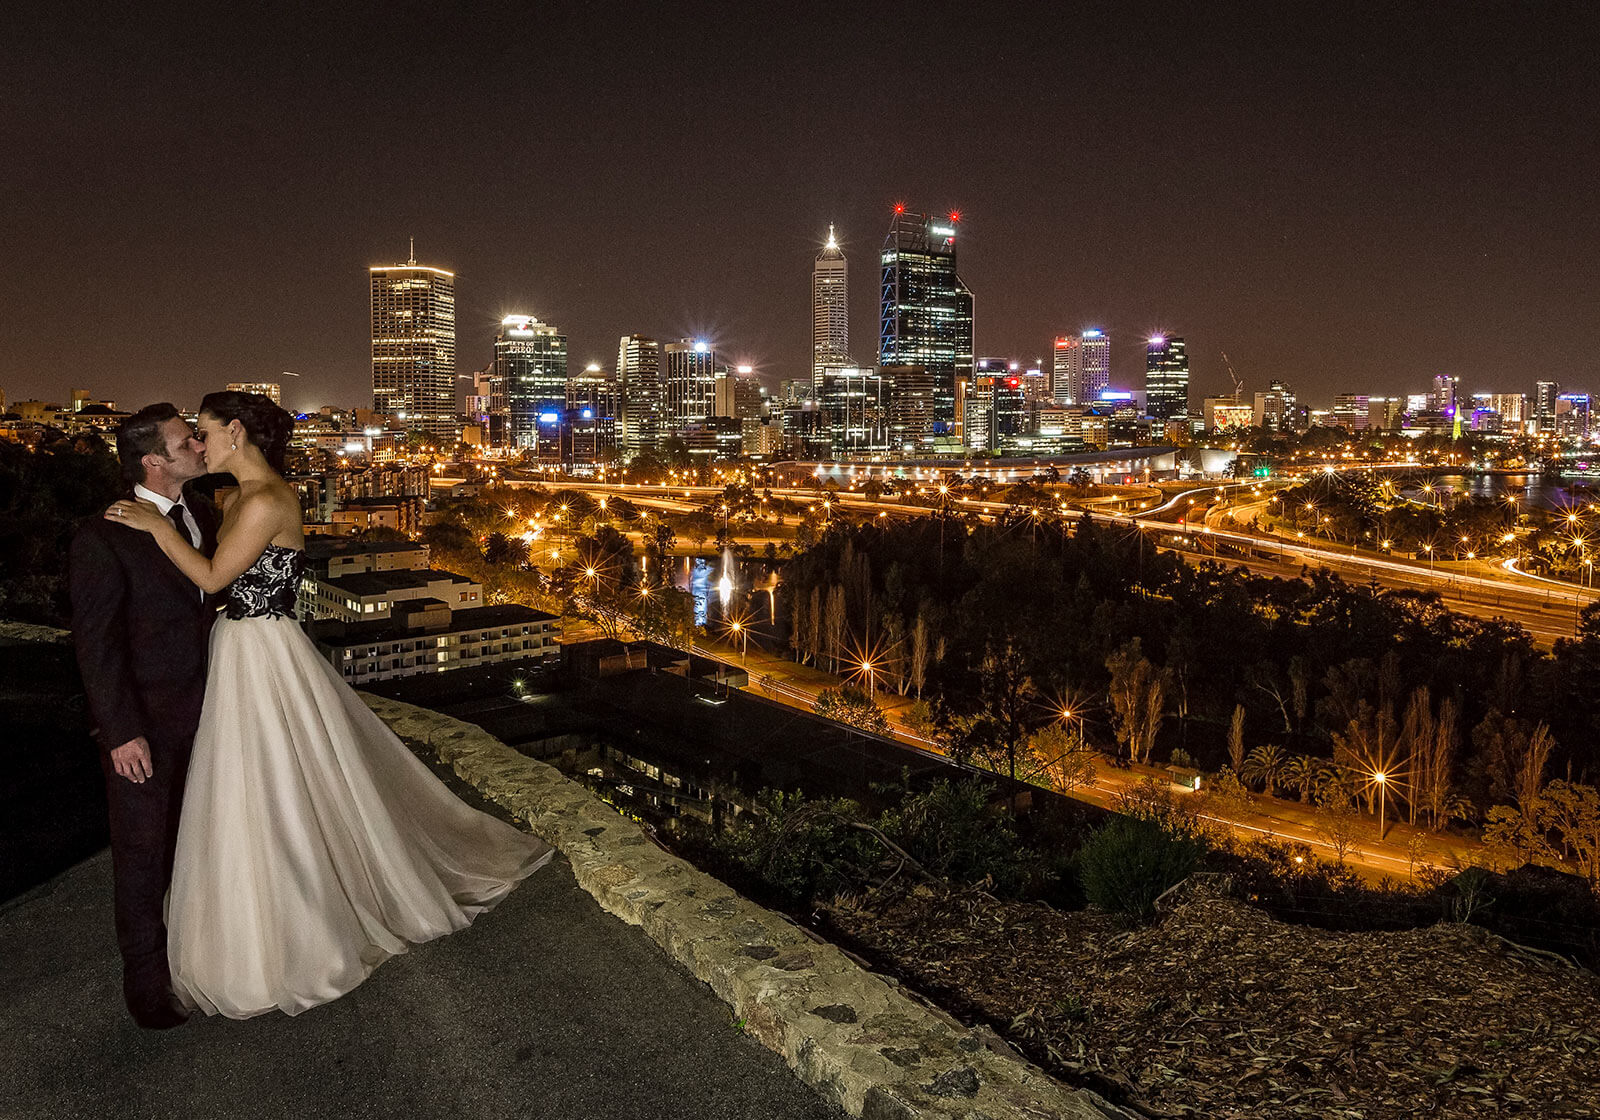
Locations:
{"points": [[272, 841]]}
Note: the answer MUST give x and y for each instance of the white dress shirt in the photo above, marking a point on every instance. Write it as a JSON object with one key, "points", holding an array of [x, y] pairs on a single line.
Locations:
{"points": [[164, 504]]}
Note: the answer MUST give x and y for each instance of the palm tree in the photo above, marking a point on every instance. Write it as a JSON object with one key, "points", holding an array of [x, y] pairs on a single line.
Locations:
{"points": [[1265, 765], [1301, 772]]}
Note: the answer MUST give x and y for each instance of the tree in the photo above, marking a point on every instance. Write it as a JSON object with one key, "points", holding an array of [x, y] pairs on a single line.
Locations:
{"points": [[1265, 765], [1236, 739], [1064, 760], [919, 654], [1573, 811], [666, 615], [835, 625], [1303, 773], [1137, 696], [852, 706], [1336, 819]]}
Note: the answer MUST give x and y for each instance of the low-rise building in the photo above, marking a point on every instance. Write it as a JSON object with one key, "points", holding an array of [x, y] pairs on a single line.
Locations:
{"points": [[373, 595], [427, 636]]}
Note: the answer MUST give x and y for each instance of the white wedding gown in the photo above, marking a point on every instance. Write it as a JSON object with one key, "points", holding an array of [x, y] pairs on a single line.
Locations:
{"points": [[313, 844]]}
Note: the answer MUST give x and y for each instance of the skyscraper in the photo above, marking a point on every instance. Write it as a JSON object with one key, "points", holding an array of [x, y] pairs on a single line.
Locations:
{"points": [[830, 320], [925, 311], [1545, 394], [530, 360], [688, 385], [1166, 378], [639, 382], [1094, 365], [414, 347], [1066, 370]]}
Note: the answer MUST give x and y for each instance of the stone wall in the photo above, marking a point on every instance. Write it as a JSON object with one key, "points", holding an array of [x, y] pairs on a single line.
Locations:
{"points": [[855, 1036]]}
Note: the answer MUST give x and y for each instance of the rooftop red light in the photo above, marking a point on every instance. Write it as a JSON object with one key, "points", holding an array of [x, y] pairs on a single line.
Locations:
{"points": [[899, 208], [955, 215]]}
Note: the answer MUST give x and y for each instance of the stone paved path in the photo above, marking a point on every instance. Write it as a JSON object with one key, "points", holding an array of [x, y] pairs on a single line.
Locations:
{"points": [[546, 1007]]}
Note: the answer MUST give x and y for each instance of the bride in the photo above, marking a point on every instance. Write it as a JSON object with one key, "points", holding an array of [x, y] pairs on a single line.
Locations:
{"points": [[313, 845]]}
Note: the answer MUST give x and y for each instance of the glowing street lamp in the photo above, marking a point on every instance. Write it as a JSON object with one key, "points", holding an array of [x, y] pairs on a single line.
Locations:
{"points": [[1382, 779], [743, 635], [872, 678]]}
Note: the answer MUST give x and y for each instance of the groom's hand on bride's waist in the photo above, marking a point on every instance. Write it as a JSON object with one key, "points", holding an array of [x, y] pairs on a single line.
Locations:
{"points": [[132, 760]]}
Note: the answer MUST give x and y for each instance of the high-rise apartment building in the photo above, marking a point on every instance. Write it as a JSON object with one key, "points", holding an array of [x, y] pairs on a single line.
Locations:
{"points": [[1442, 398], [414, 347], [1066, 370], [268, 389], [737, 393], [925, 311], [1094, 365], [530, 360], [1166, 378], [688, 384], [639, 383], [830, 319], [1545, 395]]}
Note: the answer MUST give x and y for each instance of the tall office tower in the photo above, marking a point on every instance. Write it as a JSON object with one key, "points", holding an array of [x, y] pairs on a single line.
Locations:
{"points": [[1094, 365], [830, 318], [910, 407], [688, 384], [737, 393], [1166, 378], [593, 389], [925, 311], [414, 346], [1066, 371], [261, 388], [639, 382], [856, 402], [530, 360], [1545, 395]]}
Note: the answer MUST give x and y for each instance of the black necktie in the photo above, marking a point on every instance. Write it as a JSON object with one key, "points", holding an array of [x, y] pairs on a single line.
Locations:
{"points": [[175, 512]]}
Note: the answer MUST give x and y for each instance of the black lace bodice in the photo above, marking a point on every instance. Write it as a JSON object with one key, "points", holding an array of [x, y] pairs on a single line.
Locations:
{"points": [[269, 587]]}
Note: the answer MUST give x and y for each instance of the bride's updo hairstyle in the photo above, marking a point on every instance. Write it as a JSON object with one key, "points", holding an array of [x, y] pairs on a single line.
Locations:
{"points": [[268, 426]]}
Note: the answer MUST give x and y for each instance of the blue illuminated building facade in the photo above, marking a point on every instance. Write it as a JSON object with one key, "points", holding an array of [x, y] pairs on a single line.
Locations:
{"points": [[530, 360]]}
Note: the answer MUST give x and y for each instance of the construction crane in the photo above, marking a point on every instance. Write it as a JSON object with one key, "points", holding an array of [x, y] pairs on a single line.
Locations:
{"points": [[1238, 384]]}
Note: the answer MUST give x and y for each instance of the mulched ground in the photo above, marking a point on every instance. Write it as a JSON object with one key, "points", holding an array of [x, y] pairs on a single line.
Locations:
{"points": [[1218, 1010]]}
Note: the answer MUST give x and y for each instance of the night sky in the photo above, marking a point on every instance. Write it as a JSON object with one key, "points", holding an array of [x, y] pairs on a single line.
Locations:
{"points": [[1353, 199]]}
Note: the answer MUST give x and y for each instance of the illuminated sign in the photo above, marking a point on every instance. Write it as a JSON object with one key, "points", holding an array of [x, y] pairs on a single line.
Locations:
{"points": [[549, 417], [588, 414], [701, 348], [1093, 332], [942, 231]]}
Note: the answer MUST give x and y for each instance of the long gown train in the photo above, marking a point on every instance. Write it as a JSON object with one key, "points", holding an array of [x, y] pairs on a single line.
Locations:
{"points": [[313, 844]]}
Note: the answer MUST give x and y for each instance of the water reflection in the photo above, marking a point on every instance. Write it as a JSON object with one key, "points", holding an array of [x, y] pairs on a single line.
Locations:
{"points": [[1531, 491], [728, 587]]}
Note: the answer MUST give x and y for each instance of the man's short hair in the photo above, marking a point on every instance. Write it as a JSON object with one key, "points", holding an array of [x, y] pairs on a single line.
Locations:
{"points": [[140, 435]]}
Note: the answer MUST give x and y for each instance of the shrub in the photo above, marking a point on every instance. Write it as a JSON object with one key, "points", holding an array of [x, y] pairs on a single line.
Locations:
{"points": [[1129, 863], [797, 849], [954, 832]]}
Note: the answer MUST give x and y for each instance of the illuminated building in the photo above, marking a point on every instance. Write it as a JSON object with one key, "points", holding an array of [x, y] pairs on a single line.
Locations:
{"points": [[910, 407], [1094, 365], [414, 347], [737, 393], [639, 382], [830, 320], [925, 311], [856, 403], [267, 389], [530, 360], [1065, 370], [688, 384], [1545, 394], [1166, 378]]}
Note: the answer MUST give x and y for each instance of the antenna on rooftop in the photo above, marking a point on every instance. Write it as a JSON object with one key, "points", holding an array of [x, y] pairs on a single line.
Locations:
{"points": [[413, 261]]}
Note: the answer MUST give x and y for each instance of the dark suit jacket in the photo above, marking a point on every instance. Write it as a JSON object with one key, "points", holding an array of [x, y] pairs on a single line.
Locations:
{"points": [[140, 629]]}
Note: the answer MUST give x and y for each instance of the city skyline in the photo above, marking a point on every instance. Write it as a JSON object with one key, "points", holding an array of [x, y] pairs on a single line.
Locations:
{"points": [[1296, 180]]}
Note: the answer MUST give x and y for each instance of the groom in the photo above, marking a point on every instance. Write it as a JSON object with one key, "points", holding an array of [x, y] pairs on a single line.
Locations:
{"points": [[141, 629]]}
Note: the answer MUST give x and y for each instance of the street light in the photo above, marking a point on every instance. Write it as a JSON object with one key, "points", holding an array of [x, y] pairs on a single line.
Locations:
{"points": [[744, 638], [1383, 784], [872, 680]]}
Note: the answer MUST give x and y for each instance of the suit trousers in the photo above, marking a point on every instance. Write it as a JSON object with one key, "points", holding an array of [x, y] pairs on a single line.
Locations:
{"points": [[144, 836]]}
